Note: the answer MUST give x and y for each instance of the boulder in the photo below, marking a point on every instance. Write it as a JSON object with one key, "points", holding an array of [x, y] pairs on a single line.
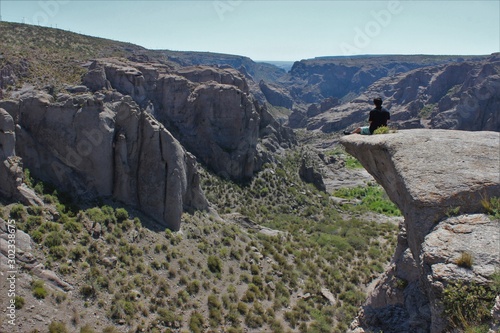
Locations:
{"points": [[431, 175], [309, 173]]}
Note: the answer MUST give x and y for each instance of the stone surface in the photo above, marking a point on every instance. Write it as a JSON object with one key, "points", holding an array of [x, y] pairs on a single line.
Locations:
{"points": [[428, 173], [275, 95], [210, 110], [11, 166], [309, 173], [104, 145], [431, 175]]}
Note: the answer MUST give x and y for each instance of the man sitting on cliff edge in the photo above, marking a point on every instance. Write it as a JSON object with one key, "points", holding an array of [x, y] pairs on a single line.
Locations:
{"points": [[378, 118]]}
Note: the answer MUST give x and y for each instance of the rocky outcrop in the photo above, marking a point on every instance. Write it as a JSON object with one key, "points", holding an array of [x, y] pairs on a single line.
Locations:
{"points": [[462, 96], [217, 122], [440, 180], [276, 96], [210, 110], [313, 80], [104, 145], [309, 173], [11, 166]]}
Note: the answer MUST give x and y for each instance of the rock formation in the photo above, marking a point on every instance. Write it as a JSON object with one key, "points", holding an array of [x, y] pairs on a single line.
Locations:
{"points": [[276, 96], [313, 80], [11, 166], [462, 95], [209, 110], [131, 137], [103, 145], [440, 180]]}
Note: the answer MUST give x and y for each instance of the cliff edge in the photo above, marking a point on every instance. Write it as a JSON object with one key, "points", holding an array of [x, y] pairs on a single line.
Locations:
{"points": [[441, 180]]}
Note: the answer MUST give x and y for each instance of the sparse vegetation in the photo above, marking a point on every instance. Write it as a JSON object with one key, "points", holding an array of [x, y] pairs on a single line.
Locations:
{"points": [[38, 289], [373, 198], [492, 206], [465, 260], [57, 327], [426, 111], [467, 305], [219, 274]]}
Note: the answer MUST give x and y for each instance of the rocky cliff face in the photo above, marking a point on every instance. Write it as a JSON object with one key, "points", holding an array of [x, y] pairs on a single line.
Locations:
{"points": [[439, 179], [11, 166], [312, 80], [130, 131], [209, 110], [103, 145], [462, 95]]}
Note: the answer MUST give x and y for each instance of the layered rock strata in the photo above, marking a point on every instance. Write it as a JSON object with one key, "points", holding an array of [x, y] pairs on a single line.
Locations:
{"points": [[440, 180]]}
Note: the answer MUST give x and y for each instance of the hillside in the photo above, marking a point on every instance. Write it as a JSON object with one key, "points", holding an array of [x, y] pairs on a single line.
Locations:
{"points": [[460, 95], [47, 56], [99, 161], [345, 77], [52, 57], [266, 262]]}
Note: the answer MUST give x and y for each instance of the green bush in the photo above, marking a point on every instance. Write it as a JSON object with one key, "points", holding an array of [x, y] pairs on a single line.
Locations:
{"points": [[214, 264], [196, 322], [215, 310], [121, 214], [18, 302], [193, 287], [72, 226], [352, 163], [87, 329], [465, 260], [104, 215], [58, 252], [467, 304], [57, 327], [492, 206], [17, 211], [77, 252], [87, 291], [168, 317], [38, 289], [53, 239], [37, 236], [382, 130]]}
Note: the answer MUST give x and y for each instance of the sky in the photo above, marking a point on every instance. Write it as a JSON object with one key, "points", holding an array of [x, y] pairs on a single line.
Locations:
{"points": [[283, 30]]}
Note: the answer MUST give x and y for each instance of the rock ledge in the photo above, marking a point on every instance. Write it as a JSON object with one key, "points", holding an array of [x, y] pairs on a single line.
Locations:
{"points": [[438, 178]]}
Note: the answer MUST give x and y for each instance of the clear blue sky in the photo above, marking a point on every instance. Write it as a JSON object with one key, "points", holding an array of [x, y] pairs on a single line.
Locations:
{"points": [[277, 30]]}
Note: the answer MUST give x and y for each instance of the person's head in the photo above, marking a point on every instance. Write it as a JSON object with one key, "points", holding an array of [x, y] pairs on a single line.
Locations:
{"points": [[377, 101]]}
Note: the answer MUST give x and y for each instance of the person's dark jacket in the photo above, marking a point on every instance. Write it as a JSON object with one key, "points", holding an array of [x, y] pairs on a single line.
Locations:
{"points": [[378, 117]]}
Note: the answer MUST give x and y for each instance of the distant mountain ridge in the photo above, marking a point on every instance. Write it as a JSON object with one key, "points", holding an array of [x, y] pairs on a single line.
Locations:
{"points": [[313, 80], [314, 89], [462, 95]]}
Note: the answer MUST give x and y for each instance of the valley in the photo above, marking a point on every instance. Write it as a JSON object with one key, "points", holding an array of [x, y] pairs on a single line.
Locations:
{"points": [[166, 191]]}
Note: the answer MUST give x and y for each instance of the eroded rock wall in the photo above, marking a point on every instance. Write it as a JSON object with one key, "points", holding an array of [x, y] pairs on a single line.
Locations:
{"points": [[461, 96], [210, 110], [104, 145]]}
